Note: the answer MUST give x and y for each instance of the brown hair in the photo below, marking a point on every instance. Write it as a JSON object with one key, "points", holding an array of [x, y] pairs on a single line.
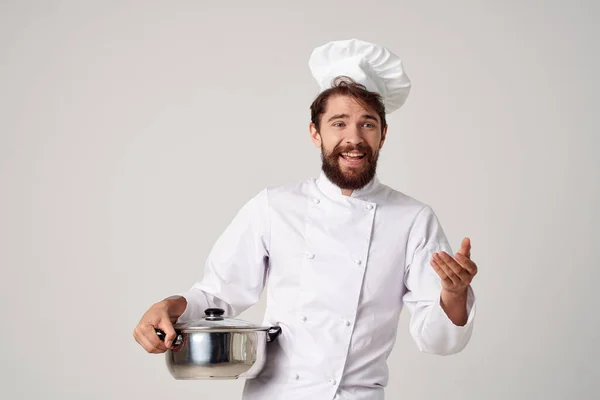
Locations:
{"points": [[346, 86]]}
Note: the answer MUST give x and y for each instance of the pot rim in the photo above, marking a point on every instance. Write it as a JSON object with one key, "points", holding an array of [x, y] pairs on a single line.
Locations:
{"points": [[271, 333], [210, 329]]}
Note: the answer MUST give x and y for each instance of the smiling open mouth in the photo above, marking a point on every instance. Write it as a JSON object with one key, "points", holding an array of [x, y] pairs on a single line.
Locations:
{"points": [[352, 156]]}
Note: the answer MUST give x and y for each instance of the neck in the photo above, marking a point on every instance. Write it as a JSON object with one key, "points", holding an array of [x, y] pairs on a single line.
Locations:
{"points": [[347, 192]]}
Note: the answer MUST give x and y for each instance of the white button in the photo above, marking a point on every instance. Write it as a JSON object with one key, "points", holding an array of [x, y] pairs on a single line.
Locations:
{"points": [[347, 323], [310, 255], [296, 376], [357, 262], [316, 201], [369, 206], [332, 381], [303, 318]]}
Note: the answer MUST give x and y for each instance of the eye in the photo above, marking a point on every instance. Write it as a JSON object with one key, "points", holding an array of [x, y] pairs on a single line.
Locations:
{"points": [[369, 125], [338, 124]]}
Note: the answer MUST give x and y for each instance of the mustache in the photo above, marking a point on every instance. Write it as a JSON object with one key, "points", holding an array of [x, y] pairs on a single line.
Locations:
{"points": [[362, 148]]}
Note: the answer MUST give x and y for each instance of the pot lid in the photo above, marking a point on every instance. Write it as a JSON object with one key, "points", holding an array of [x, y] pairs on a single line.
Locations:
{"points": [[215, 321]]}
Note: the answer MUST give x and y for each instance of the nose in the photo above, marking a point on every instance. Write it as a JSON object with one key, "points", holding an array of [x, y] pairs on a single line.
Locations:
{"points": [[353, 136]]}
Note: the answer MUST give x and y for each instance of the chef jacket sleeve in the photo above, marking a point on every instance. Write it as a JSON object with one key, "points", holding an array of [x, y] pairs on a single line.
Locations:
{"points": [[235, 269], [430, 327]]}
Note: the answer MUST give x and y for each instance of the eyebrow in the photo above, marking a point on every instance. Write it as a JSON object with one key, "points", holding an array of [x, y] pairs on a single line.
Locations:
{"points": [[337, 116], [369, 116], [342, 116]]}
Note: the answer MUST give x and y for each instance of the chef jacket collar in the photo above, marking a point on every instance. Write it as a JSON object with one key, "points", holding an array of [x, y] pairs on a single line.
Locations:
{"points": [[332, 190]]}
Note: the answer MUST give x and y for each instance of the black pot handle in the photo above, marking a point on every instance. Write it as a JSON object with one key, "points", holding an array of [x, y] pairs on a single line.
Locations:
{"points": [[161, 335], [272, 333]]}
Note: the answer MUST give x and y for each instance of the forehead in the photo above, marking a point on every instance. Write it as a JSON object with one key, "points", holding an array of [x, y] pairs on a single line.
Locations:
{"points": [[339, 104]]}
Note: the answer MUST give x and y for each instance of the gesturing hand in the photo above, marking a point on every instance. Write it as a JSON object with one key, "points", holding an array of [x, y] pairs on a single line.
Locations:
{"points": [[456, 272]]}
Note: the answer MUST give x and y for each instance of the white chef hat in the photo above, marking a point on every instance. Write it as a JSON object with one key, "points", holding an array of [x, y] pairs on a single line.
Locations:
{"points": [[371, 65]]}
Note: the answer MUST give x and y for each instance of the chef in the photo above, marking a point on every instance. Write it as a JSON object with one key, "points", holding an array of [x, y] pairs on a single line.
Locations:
{"points": [[340, 254]]}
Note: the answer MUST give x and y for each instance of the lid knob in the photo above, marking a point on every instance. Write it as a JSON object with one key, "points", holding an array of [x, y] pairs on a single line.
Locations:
{"points": [[214, 313]]}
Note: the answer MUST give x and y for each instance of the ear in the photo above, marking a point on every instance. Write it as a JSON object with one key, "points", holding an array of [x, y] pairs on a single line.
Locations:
{"points": [[315, 135], [383, 136]]}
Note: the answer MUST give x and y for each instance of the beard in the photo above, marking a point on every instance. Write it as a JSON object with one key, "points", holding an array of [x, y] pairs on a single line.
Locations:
{"points": [[351, 178]]}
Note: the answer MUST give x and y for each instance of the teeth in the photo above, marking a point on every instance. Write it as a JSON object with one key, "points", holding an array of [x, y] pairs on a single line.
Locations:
{"points": [[353, 154]]}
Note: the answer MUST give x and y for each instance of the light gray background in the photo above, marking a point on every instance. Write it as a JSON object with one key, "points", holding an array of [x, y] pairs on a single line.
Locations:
{"points": [[131, 133]]}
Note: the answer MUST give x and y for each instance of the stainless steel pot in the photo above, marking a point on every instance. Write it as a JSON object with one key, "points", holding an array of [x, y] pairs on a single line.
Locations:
{"points": [[218, 348]]}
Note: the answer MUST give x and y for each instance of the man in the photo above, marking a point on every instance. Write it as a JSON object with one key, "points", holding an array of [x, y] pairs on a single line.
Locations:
{"points": [[341, 254]]}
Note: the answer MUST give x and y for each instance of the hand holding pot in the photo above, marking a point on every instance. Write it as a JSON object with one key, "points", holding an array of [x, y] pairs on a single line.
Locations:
{"points": [[162, 316], [215, 347]]}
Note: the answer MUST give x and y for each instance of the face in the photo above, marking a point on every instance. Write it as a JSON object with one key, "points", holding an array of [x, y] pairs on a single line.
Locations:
{"points": [[350, 138]]}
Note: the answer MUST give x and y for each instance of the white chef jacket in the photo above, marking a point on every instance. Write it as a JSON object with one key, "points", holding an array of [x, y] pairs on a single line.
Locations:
{"points": [[338, 270]]}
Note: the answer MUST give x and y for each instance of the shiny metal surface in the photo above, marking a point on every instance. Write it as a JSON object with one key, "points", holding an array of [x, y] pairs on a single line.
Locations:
{"points": [[218, 355]]}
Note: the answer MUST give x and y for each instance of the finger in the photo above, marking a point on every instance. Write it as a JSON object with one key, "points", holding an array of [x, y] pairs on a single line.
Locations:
{"points": [[456, 267], [167, 327], [439, 270], [149, 333], [144, 342], [467, 264], [443, 277], [465, 247], [451, 276], [450, 262]]}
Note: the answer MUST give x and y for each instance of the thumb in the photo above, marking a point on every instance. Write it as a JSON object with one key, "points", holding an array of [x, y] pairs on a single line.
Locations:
{"points": [[167, 327], [465, 247]]}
